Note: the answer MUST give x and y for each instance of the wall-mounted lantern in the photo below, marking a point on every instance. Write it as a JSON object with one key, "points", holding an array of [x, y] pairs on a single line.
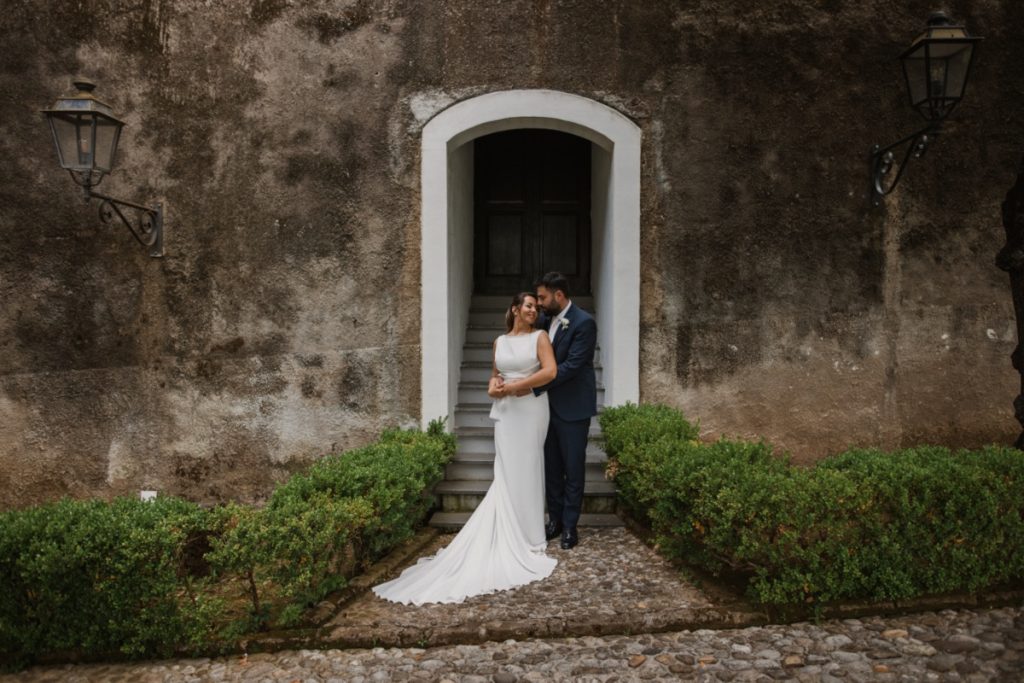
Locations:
{"points": [[936, 67], [86, 133]]}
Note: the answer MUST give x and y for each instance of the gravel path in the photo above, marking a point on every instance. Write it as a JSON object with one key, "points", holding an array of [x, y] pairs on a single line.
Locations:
{"points": [[965, 645], [610, 583]]}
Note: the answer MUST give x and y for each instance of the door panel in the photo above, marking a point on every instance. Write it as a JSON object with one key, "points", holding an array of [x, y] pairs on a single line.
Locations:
{"points": [[560, 244], [505, 244], [532, 210]]}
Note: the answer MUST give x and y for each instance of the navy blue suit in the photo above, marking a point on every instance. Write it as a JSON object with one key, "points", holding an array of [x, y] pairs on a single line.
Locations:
{"points": [[572, 398]]}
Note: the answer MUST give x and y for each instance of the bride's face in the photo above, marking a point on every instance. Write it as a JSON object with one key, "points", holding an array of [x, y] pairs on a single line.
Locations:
{"points": [[528, 310]]}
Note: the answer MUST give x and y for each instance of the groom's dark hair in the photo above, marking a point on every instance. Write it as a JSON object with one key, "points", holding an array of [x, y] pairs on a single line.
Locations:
{"points": [[553, 281]]}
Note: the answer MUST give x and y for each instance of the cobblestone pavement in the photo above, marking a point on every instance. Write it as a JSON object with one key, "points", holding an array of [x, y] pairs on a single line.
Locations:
{"points": [[610, 583], [966, 645]]}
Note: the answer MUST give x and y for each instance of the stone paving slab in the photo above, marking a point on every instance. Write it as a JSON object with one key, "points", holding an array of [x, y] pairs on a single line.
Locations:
{"points": [[610, 583], [952, 645]]}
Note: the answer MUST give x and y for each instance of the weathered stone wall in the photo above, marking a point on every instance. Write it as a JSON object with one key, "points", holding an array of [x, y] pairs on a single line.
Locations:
{"points": [[283, 322]]}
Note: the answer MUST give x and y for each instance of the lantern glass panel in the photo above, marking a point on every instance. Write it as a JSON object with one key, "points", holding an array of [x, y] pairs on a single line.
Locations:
{"points": [[85, 134], [72, 133], [107, 133], [915, 72], [959, 64]]}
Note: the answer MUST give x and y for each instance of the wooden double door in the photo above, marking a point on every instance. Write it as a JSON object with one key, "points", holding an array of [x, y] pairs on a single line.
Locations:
{"points": [[531, 210]]}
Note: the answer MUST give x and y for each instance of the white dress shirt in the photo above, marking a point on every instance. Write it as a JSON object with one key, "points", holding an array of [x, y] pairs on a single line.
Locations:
{"points": [[553, 329]]}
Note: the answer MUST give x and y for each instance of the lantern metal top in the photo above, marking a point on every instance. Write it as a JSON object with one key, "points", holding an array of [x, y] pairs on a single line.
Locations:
{"points": [[83, 102], [939, 27]]}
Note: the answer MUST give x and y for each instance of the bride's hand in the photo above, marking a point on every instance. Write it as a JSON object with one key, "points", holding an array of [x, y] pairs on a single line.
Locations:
{"points": [[497, 388]]}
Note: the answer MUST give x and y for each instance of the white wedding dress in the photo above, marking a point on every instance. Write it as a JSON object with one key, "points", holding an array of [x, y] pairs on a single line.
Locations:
{"points": [[502, 545]]}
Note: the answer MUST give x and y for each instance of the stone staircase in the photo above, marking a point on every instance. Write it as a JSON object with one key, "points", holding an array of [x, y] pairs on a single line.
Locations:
{"points": [[471, 470]]}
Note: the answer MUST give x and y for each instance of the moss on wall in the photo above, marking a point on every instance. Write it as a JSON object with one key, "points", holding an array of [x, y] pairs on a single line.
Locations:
{"points": [[283, 137]]}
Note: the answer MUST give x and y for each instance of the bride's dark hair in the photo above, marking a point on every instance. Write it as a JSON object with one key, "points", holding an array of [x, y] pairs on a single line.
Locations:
{"points": [[517, 300]]}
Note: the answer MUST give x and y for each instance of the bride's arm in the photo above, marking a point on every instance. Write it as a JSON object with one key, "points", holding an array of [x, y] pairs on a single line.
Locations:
{"points": [[496, 387], [546, 373]]}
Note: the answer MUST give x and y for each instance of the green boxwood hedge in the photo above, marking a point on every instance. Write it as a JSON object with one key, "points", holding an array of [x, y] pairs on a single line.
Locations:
{"points": [[861, 525], [152, 578], [96, 576]]}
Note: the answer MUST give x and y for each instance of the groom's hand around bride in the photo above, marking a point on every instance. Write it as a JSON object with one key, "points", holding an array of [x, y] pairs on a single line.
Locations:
{"points": [[516, 389]]}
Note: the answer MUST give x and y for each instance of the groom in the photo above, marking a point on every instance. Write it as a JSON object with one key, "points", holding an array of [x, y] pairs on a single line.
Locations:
{"points": [[572, 399]]}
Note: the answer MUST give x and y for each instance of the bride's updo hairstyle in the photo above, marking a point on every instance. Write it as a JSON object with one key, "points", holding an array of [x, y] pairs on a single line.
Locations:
{"points": [[517, 301]]}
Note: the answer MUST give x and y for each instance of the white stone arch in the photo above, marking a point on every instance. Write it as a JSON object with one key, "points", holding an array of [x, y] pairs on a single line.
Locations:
{"points": [[446, 221]]}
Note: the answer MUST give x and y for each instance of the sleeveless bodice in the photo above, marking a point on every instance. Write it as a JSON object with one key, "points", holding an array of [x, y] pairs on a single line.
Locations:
{"points": [[516, 356]]}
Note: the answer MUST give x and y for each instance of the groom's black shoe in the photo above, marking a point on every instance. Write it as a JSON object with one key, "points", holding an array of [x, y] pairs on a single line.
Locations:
{"points": [[569, 539], [552, 530]]}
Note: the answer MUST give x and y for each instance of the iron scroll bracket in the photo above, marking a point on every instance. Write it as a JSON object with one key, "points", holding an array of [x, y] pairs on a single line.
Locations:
{"points": [[146, 226], [883, 158]]}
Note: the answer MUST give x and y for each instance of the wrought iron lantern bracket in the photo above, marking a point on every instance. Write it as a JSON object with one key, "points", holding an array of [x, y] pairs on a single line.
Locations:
{"points": [[147, 227], [883, 158]]}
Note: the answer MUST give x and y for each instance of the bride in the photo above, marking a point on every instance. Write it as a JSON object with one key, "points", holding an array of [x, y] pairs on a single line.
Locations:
{"points": [[502, 545]]}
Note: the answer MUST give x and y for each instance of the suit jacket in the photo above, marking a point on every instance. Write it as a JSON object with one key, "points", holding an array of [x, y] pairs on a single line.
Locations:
{"points": [[572, 394]]}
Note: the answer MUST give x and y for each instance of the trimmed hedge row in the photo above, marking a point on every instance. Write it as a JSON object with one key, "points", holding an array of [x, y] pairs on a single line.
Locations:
{"points": [[864, 524], [98, 577], [152, 578]]}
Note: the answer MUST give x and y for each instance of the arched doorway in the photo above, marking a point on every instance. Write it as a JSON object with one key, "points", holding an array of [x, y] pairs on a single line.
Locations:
{"points": [[447, 237]]}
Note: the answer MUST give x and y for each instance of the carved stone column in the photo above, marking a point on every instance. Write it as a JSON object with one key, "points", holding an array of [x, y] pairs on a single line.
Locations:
{"points": [[1011, 259]]}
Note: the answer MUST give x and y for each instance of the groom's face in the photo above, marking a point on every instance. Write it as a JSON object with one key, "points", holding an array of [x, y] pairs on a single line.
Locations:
{"points": [[552, 301]]}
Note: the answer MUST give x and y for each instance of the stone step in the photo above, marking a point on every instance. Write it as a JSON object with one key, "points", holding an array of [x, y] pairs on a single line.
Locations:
{"points": [[478, 414], [476, 392], [481, 440], [464, 496], [454, 521], [482, 352], [473, 415], [487, 432], [465, 469], [485, 444], [603, 488], [480, 371], [473, 392], [596, 456], [484, 336], [481, 355], [477, 353], [486, 447], [487, 318], [475, 373]]}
